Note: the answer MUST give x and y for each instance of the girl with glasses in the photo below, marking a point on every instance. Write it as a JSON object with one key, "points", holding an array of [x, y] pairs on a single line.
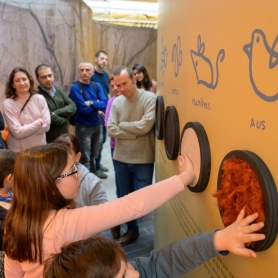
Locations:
{"points": [[92, 191], [42, 217]]}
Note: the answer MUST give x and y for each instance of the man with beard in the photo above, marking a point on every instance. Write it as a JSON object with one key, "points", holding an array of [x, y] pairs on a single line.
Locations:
{"points": [[102, 77], [61, 107]]}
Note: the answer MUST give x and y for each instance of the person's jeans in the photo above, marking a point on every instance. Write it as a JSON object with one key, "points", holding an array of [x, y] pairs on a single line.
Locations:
{"points": [[103, 135], [89, 137], [116, 179], [132, 177]]}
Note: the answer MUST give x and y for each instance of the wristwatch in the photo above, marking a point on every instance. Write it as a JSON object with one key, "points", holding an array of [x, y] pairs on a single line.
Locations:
{"points": [[91, 102]]}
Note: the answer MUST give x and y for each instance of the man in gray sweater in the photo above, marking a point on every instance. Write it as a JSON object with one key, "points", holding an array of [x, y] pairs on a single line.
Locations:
{"points": [[131, 122]]}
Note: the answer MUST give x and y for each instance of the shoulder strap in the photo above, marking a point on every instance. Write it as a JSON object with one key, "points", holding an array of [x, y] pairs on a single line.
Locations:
{"points": [[26, 102], [95, 87], [81, 87]]}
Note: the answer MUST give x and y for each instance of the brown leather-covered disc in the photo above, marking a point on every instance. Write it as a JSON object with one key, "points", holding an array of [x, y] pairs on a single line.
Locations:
{"points": [[159, 117], [171, 132], [195, 144]]}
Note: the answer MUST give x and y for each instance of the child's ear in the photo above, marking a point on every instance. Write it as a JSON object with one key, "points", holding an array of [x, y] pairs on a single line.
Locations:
{"points": [[78, 156], [9, 182], [9, 179]]}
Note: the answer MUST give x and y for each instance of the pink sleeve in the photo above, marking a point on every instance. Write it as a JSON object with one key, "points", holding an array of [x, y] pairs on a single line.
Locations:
{"points": [[107, 111], [87, 221], [37, 107], [13, 268], [18, 130]]}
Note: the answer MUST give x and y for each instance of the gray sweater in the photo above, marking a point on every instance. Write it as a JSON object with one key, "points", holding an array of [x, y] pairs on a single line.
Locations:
{"points": [[135, 141], [92, 191], [178, 258]]}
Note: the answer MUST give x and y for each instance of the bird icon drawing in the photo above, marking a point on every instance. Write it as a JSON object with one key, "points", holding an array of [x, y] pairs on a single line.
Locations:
{"points": [[263, 70]]}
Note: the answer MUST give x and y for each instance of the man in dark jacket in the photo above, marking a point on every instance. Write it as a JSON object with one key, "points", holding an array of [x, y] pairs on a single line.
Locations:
{"points": [[61, 107], [102, 77]]}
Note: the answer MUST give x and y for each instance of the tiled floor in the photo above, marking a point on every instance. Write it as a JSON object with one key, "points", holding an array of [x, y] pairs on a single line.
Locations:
{"points": [[144, 244]]}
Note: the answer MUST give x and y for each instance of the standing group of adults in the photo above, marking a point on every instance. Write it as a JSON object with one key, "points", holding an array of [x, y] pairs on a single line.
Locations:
{"points": [[39, 116], [42, 217], [130, 120]]}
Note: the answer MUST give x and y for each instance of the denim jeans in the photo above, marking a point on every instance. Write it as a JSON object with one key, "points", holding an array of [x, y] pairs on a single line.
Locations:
{"points": [[89, 137], [103, 135], [132, 177], [116, 178]]}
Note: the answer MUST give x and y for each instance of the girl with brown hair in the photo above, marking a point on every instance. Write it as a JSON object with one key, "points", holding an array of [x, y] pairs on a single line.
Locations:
{"points": [[42, 219], [92, 191]]}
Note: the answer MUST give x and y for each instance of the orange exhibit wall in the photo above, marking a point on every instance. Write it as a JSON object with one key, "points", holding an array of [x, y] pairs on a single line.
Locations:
{"points": [[217, 64]]}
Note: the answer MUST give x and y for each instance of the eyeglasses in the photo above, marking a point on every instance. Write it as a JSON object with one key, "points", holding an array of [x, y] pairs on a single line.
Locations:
{"points": [[74, 172]]}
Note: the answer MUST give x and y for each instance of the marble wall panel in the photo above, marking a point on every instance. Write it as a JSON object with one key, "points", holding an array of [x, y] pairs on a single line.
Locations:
{"points": [[56, 32], [127, 46], [61, 33]]}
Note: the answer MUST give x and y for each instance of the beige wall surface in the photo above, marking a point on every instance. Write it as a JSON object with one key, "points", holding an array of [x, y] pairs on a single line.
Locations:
{"points": [[217, 64], [58, 33], [127, 46]]}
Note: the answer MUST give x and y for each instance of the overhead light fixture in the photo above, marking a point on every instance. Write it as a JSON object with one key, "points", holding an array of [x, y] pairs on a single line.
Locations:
{"points": [[131, 7], [127, 13]]}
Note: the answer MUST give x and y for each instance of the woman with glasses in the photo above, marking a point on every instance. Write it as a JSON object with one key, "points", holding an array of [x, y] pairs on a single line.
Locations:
{"points": [[26, 113], [42, 217]]}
